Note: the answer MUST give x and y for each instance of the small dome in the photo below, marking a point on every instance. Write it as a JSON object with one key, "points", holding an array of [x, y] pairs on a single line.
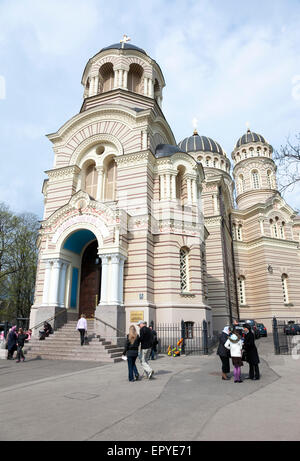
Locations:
{"points": [[200, 143], [126, 46], [249, 137]]}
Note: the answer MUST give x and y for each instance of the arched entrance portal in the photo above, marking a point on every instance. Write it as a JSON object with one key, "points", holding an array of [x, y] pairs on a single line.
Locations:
{"points": [[90, 281]]}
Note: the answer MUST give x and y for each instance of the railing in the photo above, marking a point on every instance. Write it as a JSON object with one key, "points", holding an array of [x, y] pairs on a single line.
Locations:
{"points": [[50, 319], [118, 339], [196, 338], [286, 337]]}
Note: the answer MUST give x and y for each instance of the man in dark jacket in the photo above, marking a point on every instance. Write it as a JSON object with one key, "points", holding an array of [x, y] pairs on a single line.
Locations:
{"points": [[146, 339], [224, 353], [251, 353], [154, 343], [20, 343]]}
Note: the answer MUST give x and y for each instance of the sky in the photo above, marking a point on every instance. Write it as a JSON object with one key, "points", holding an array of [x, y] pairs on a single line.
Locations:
{"points": [[225, 63]]}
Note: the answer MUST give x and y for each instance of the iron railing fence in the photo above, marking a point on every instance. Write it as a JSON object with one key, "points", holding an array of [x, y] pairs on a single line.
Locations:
{"points": [[196, 338], [286, 336]]}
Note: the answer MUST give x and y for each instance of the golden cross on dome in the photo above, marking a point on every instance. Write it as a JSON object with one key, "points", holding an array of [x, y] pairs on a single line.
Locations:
{"points": [[248, 127], [124, 40], [195, 124]]}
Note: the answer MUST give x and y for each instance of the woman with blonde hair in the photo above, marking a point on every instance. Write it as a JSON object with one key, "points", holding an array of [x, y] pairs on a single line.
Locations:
{"points": [[131, 351]]}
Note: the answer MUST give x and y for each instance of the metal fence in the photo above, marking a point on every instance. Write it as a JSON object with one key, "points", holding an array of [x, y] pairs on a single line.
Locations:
{"points": [[286, 336], [196, 338]]}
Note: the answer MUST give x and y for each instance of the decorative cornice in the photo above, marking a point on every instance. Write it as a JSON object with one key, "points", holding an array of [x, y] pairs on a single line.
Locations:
{"points": [[64, 172]]}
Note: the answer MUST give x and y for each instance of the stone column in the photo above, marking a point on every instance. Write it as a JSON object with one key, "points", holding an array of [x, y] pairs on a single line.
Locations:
{"points": [[194, 190], [173, 191], [47, 282], [53, 295], [104, 279], [145, 86], [96, 84], [121, 279], [120, 78], [62, 284], [115, 78], [100, 183], [189, 189], [168, 186], [162, 186], [151, 88], [125, 78], [114, 286]]}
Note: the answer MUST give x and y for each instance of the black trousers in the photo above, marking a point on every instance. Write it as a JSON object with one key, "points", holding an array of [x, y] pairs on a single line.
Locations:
{"points": [[20, 353], [225, 364], [82, 333], [253, 371]]}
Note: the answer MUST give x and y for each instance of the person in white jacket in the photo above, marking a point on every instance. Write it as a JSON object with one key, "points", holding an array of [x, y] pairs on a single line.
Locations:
{"points": [[235, 345], [82, 328]]}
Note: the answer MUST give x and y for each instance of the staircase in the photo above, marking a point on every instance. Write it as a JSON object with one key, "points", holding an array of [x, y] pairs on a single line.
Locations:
{"points": [[64, 344]]}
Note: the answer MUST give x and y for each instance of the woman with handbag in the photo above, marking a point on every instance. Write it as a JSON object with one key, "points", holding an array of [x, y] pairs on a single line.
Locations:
{"points": [[131, 352]]}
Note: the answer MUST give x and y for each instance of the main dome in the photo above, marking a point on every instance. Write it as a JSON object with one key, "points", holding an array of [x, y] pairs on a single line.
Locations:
{"points": [[126, 46], [197, 143], [250, 136]]}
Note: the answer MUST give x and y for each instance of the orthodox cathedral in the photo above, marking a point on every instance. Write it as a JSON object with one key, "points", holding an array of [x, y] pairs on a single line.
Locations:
{"points": [[137, 226]]}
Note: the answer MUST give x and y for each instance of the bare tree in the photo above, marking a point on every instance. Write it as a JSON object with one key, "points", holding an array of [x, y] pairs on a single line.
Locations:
{"points": [[288, 160]]}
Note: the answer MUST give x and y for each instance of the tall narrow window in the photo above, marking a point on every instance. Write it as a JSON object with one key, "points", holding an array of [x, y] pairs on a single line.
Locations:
{"points": [[255, 179], [91, 180], [284, 278], [110, 183], [179, 183], [241, 184], [281, 230], [242, 294], [184, 278], [239, 232]]}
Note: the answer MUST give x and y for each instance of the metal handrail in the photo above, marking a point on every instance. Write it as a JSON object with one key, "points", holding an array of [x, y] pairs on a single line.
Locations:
{"points": [[114, 328], [48, 320]]}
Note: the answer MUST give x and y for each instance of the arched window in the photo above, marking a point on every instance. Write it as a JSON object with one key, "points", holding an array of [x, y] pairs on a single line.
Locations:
{"points": [[215, 163], [110, 180], [269, 179], [239, 232], [184, 270], [179, 182], [106, 77], [241, 184], [134, 82], [242, 294], [207, 161], [91, 180], [255, 179], [281, 230], [284, 286], [274, 229]]}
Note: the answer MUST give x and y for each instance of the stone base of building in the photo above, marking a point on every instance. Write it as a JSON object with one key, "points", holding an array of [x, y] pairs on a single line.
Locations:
{"points": [[110, 323], [40, 314]]}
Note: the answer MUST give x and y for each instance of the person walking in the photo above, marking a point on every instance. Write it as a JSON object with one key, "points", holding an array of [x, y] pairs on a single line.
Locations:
{"points": [[154, 343], [11, 342], [82, 328], [251, 353], [20, 344], [146, 339], [131, 351], [224, 353], [235, 346]]}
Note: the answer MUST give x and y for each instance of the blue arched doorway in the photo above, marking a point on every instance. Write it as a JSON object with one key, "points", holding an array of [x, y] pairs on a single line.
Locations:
{"points": [[87, 277]]}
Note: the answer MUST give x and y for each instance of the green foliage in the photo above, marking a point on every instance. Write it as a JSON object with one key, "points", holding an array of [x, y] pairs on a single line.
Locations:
{"points": [[18, 262]]}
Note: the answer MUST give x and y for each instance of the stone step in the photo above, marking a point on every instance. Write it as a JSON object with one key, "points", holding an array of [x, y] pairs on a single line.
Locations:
{"points": [[88, 348]]}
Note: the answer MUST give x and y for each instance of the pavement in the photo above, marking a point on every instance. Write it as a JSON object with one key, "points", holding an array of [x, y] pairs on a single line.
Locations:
{"points": [[47, 400]]}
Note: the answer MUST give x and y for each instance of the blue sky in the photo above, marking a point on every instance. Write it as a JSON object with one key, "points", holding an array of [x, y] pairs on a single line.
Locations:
{"points": [[225, 63]]}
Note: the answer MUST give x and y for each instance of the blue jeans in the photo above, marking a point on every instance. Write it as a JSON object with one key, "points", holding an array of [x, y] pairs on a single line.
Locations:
{"points": [[132, 369]]}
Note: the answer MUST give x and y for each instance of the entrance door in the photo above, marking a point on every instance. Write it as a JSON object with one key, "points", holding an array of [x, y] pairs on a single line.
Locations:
{"points": [[90, 280]]}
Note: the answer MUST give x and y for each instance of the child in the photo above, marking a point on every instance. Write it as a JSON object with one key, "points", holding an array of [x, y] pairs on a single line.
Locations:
{"points": [[20, 344], [235, 345]]}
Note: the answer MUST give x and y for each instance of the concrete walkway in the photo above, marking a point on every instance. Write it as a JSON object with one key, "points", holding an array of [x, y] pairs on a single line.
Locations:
{"points": [[186, 400]]}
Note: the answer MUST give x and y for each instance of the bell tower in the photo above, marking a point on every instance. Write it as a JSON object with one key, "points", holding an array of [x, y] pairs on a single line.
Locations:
{"points": [[254, 170]]}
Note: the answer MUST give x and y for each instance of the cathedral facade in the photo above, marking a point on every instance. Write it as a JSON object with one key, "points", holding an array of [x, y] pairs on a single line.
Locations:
{"points": [[136, 226]]}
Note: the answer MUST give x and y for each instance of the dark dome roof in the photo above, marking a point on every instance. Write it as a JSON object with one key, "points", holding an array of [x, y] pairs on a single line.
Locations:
{"points": [[127, 46], [200, 143], [249, 137], [166, 150]]}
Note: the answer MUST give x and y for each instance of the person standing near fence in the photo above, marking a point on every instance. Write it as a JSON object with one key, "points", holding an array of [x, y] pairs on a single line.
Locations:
{"points": [[20, 344], [251, 353], [154, 344], [82, 328], [224, 353], [146, 338]]}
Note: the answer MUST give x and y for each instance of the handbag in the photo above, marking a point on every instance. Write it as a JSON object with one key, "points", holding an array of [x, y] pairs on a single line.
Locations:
{"points": [[86, 339]]}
